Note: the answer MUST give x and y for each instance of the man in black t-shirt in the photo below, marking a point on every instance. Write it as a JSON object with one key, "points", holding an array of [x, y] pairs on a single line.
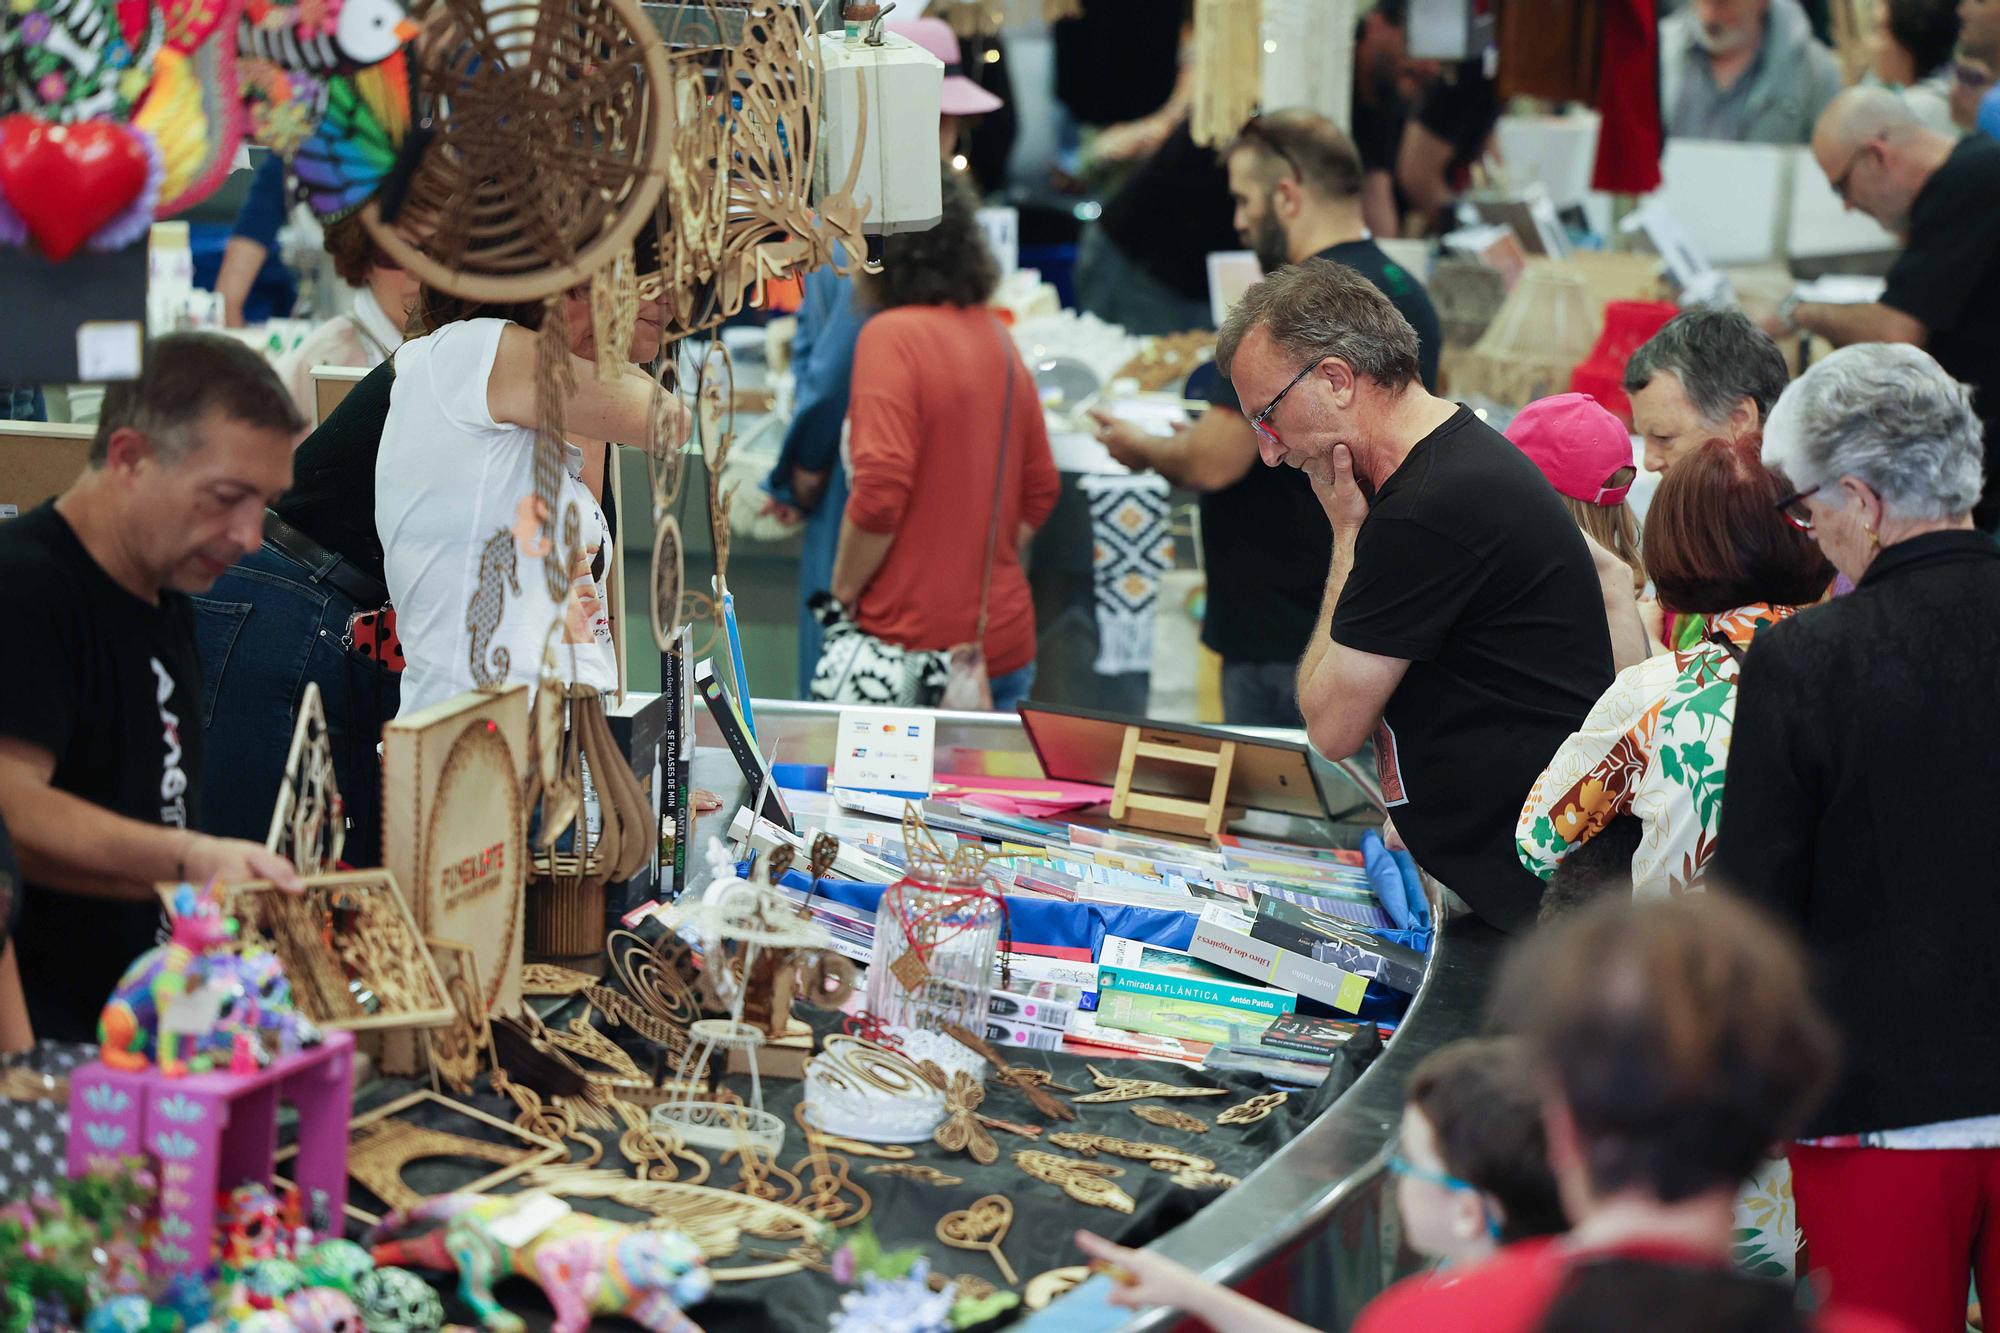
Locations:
{"points": [[1941, 195], [1377, 110], [1296, 181], [101, 749], [1462, 625]]}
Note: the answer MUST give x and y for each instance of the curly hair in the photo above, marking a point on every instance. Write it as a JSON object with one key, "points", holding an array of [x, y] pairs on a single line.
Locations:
{"points": [[948, 265], [353, 251]]}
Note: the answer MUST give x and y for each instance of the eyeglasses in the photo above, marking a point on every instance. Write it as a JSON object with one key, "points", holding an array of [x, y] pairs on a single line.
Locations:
{"points": [[1399, 1165], [1256, 128], [1846, 178], [1793, 507], [1261, 422]]}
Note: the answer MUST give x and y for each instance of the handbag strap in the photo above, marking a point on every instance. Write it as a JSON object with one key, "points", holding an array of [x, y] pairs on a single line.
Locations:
{"points": [[999, 486]]}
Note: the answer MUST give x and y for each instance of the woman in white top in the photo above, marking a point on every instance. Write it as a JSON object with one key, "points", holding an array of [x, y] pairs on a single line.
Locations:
{"points": [[363, 337], [455, 497]]}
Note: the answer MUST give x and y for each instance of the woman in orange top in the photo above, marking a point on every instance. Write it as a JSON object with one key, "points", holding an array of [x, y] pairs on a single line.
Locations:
{"points": [[938, 385]]}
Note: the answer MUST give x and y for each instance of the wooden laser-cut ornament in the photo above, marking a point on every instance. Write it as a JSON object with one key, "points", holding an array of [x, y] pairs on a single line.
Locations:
{"points": [[1168, 1118], [1255, 1109], [1086, 1182], [982, 1226], [1136, 1089], [309, 822]]}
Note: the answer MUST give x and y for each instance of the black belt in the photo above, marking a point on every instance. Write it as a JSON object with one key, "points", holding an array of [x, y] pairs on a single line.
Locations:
{"points": [[335, 570]]}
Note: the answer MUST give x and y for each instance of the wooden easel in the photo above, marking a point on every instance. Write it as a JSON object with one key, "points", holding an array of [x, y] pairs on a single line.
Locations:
{"points": [[1173, 814]]}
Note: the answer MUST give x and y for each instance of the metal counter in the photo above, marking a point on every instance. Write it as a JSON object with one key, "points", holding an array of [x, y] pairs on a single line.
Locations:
{"points": [[1312, 1231]]}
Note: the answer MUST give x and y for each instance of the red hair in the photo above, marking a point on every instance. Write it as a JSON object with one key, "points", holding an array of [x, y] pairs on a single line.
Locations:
{"points": [[1715, 539]]}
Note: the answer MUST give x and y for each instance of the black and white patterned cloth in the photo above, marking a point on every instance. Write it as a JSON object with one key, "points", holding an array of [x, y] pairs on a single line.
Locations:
{"points": [[34, 1131]]}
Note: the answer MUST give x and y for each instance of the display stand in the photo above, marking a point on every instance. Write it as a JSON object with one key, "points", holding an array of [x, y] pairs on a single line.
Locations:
{"points": [[1174, 814], [212, 1132]]}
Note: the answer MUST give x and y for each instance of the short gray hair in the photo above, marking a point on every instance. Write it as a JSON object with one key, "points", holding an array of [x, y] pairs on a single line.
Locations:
{"points": [[185, 375], [1719, 357], [1887, 414], [1322, 309]]}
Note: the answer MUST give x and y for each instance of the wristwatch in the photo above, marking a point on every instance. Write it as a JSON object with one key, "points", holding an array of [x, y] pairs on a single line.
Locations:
{"points": [[1788, 313]]}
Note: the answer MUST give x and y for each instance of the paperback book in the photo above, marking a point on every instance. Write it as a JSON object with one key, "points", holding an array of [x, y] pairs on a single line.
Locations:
{"points": [[1223, 938], [1330, 940], [1133, 967]]}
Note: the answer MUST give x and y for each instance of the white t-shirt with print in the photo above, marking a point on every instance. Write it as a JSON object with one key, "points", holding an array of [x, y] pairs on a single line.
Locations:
{"points": [[455, 508]]}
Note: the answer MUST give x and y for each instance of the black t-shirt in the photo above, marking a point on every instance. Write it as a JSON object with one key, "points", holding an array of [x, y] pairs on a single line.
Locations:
{"points": [[1469, 567], [1461, 110], [1265, 542], [1117, 60], [1948, 276], [112, 688], [332, 499], [1173, 211], [1378, 131]]}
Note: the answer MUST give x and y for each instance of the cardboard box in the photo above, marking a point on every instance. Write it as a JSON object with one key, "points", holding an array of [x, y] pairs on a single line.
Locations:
{"points": [[454, 832], [38, 461]]}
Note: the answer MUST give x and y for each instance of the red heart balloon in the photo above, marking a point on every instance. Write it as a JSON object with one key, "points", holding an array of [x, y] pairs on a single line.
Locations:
{"points": [[67, 181]]}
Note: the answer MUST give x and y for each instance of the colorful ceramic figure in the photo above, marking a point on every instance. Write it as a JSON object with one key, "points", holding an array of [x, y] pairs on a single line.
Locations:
{"points": [[323, 1310], [250, 1225], [168, 1000], [585, 1265], [339, 1264], [395, 1300]]}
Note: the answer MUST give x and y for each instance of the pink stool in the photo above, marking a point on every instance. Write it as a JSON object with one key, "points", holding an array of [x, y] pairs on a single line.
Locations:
{"points": [[208, 1133]]}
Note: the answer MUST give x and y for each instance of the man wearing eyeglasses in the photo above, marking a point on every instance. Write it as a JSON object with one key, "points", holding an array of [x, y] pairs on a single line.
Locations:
{"points": [[1297, 183], [1941, 195], [1461, 623]]}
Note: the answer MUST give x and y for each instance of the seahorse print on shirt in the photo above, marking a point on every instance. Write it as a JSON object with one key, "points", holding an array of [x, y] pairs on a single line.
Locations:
{"points": [[498, 576]]}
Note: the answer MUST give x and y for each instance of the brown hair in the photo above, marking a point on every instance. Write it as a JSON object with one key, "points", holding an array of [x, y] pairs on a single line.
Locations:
{"points": [[1321, 309], [434, 308], [1715, 539], [949, 264], [1312, 147], [1681, 1032], [1480, 1097], [185, 376], [353, 251], [1614, 527]]}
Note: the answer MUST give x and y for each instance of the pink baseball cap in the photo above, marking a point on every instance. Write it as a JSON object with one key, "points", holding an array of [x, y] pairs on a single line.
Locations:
{"points": [[1577, 444], [962, 97]]}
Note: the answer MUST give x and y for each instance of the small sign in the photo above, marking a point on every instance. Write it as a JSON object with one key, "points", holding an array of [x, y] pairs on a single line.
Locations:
{"points": [[109, 349], [910, 972], [888, 750]]}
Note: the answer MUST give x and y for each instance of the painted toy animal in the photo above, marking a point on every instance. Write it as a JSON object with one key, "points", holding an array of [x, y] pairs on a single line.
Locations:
{"points": [[192, 1002], [585, 1265]]}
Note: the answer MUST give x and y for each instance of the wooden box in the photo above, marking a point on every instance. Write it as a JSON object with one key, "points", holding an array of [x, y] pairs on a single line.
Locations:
{"points": [[454, 832]]}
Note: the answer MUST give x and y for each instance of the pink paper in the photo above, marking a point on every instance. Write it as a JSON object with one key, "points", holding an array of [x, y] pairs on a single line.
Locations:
{"points": [[1033, 798]]}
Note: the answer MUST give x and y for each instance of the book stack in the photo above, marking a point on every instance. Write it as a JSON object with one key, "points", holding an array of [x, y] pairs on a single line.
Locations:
{"points": [[1337, 944], [1036, 1016], [1166, 992], [1225, 937]]}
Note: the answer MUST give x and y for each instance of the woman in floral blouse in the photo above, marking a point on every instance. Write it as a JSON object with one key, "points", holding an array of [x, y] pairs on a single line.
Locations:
{"points": [[1657, 743]]}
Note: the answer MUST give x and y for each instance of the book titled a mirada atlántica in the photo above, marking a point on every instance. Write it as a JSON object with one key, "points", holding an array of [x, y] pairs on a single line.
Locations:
{"points": [[1150, 988]]}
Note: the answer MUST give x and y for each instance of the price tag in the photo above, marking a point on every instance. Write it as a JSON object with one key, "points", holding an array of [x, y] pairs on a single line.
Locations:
{"points": [[535, 1214], [910, 971], [109, 349]]}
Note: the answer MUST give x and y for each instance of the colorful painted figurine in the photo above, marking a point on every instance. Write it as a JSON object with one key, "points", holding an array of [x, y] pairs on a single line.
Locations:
{"points": [[339, 1264], [585, 1265], [395, 1300], [323, 1310], [168, 999], [120, 1314], [250, 1225]]}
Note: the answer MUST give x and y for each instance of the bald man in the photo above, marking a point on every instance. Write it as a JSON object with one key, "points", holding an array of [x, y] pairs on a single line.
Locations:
{"points": [[1941, 195]]}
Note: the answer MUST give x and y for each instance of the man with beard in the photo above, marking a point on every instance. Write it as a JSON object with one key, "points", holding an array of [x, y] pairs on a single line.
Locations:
{"points": [[1749, 71], [1296, 180], [1379, 109]]}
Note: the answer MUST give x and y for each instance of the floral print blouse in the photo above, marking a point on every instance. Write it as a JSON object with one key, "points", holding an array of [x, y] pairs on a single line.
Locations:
{"points": [[1656, 745]]}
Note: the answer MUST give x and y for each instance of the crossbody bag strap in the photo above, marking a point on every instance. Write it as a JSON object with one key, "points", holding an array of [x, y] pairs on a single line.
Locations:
{"points": [[999, 486]]}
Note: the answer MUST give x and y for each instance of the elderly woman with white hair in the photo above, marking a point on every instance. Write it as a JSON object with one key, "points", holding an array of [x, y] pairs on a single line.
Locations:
{"points": [[1861, 807]]}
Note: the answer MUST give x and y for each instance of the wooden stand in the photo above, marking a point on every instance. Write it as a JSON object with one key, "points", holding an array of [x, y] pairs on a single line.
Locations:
{"points": [[1173, 814]]}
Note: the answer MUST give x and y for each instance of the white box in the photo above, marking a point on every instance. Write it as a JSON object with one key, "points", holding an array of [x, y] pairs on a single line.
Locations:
{"points": [[886, 99]]}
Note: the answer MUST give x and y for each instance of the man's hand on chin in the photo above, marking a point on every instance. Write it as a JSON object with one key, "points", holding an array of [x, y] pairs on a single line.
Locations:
{"points": [[1339, 491]]}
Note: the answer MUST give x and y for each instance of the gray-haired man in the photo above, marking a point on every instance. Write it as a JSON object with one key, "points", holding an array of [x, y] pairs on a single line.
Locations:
{"points": [[1708, 374], [101, 704], [1463, 624]]}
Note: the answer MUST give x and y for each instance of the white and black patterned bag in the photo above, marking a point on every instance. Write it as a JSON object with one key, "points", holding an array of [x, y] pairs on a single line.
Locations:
{"points": [[855, 667]]}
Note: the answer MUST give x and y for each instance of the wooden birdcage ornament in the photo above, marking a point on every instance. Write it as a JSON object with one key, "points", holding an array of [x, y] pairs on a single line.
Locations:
{"points": [[309, 822], [936, 935]]}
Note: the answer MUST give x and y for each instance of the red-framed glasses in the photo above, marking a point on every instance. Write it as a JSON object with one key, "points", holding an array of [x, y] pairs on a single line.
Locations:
{"points": [[1262, 421], [1793, 507]]}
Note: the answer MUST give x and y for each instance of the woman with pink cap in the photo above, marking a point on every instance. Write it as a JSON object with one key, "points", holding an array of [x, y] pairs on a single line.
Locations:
{"points": [[1585, 453]]}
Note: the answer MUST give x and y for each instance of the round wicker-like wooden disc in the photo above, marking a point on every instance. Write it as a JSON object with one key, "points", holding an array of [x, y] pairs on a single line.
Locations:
{"points": [[668, 578], [552, 124]]}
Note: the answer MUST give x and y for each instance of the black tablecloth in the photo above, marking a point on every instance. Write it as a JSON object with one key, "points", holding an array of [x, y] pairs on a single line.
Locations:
{"points": [[906, 1212]]}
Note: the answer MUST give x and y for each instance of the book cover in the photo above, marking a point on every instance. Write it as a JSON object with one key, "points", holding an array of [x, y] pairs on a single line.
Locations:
{"points": [[1223, 938], [1314, 1036], [1159, 1016], [676, 802], [1031, 1035], [737, 737], [1136, 968], [1330, 940], [1044, 1002]]}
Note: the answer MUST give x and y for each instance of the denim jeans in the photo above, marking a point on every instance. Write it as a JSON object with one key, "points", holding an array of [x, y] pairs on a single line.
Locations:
{"points": [[267, 627], [1011, 688]]}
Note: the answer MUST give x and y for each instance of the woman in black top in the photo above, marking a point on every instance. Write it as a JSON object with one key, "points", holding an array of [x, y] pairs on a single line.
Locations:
{"points": [[1860, 807]]}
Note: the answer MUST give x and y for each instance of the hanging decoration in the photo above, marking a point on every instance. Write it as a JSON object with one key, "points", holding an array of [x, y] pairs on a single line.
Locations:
{"points": [[1132, 545], [1228, 63]]}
